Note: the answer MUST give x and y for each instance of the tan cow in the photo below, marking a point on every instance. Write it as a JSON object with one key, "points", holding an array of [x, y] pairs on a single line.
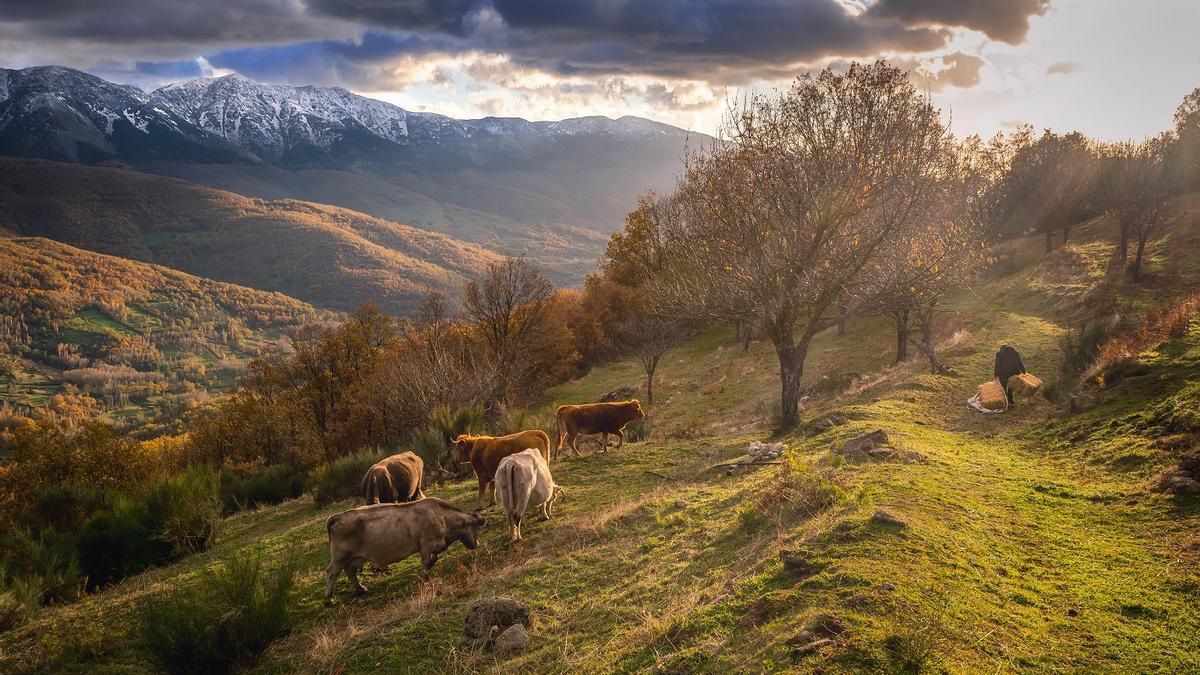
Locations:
{"points": [[485, 452], [394, 479], [388, 533], [524, 480], [595, 418]]}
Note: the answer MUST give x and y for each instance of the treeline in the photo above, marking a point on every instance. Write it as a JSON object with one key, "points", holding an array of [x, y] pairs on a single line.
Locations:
{"points": [[375, 380]]}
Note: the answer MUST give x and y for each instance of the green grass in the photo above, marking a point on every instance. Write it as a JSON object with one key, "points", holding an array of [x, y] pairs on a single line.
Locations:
{"points": [[92, 320], [1033, 541]]}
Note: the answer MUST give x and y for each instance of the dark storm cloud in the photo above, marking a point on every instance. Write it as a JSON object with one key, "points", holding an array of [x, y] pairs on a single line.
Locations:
{"points": [[719, 41], [1006, 20]]}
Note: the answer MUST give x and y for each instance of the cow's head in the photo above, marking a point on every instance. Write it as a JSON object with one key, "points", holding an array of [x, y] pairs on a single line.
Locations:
{"points": [[635, 410], [462, 448], [470, 533]]}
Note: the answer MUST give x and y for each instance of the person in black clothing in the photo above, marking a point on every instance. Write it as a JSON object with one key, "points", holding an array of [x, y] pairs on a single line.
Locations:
{"points": [[1008, 364]]}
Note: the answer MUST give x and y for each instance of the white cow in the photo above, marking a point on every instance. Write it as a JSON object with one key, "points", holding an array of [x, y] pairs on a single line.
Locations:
{"points": [[523, 479]]}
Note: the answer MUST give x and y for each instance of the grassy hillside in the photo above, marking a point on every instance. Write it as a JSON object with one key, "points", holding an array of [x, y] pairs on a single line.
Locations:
{"points": [[138, 342], [1031, 541], [328, 256]]}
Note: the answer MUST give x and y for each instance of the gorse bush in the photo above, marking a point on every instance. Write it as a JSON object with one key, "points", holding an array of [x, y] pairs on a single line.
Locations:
{"points": [[176, 516], [432, 442], [251, 489], [41, 569], [341, 478], [226, 621]]}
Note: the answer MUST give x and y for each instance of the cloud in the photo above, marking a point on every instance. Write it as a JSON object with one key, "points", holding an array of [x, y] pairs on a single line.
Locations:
{"points": [[1063, 68], [1005, 20], [953, 70]]}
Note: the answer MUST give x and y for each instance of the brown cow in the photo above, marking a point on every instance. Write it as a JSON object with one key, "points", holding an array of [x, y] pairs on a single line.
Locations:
{"points": [[388, 533], [595, 418], [394, 480], [485, 452]]}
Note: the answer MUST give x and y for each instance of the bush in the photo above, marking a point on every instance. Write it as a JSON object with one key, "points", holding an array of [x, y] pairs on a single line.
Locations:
{"points": [[251, 489], [341, 479], [184, 510], [177, 517], [224, 623], [42, 569]]}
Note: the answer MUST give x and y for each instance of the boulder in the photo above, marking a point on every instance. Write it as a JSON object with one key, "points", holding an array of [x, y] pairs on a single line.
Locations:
{"points": [[862, 444], [500, 613], [824, 424], [514, 639], [1179, 483], [618, 394]]}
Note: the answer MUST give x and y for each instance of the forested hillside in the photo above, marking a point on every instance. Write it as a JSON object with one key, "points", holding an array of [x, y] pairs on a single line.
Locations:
{"points": [[87, 335], [327, 256]]}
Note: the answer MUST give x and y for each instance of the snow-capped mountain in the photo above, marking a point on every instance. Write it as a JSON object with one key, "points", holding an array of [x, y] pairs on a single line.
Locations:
{"points": [[60, 113], [274, 120]]}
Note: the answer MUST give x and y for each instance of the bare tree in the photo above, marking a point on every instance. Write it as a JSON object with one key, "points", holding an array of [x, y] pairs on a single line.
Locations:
{"points": [[1137, 187], [647, 335], [777, 224], [506, 306]]}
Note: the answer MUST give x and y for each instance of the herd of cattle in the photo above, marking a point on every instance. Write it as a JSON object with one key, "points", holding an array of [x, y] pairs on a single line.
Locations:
{"points": [[399, 520]]}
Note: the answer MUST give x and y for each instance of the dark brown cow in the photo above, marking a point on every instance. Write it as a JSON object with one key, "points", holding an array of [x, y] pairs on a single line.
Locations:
{"points": [[394, 480], [485, 452], [595, 418]]}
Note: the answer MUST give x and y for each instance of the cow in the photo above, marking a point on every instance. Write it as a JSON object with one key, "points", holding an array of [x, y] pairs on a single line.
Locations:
{"points": [[485, 452], [394, 480], [523, 480], [388, 533], [1008, 364], [595, 418]]}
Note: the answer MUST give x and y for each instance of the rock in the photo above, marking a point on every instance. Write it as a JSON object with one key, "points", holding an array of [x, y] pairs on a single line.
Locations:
{"points": [[1179, 483], [800, 563], [885, 586], [827, 625], [501, 613], [857, 601], [514, 639], [811, 648], [886, 519], [951, 372], [619, 394], [864, 443], [825, 424], [679, 503]]}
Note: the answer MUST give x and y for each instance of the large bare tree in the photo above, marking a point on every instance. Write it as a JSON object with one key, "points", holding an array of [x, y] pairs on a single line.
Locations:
{"points": [[781, 220], [1136, 189], [506, 306]]}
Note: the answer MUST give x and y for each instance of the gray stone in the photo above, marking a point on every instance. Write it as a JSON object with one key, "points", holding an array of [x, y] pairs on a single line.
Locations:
{"points": [[514, 639]]}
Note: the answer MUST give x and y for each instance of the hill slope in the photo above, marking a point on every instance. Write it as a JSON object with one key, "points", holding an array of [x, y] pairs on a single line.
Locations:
{"points": [[1025, 541], [145, 342], [328, 256]]}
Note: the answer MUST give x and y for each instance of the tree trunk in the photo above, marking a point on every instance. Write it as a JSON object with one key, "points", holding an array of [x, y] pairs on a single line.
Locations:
{"points": [[901, 319], [791, 368], [1124, 246], [1136, 269], [1066, 232], [1049, 240], [651, 366], [747, 337], [842, 311]]}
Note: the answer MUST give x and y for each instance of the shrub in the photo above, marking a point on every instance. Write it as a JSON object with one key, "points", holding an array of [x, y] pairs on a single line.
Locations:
{"points": [[42, 569], [224, 623], [250, 489], [177, 516], [184, 510], [341, 478]]}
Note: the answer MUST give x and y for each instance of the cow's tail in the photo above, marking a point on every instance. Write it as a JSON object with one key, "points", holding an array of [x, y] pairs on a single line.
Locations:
{"points": [[560, 425]]}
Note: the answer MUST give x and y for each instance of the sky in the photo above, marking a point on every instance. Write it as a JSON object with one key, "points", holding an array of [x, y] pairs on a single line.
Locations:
{"points": [[1113, 69]]}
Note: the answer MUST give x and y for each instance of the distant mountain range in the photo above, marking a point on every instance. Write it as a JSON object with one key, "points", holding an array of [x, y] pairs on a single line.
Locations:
{"points": [[550, 190]]}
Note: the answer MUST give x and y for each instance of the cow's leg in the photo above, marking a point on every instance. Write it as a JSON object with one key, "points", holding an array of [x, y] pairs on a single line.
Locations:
{"points": [[482, 488], [352, 572], [331, 575], [492, 488], [620, 438], [546, 506], [571, 437], [605, 443], [429, 556]]}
